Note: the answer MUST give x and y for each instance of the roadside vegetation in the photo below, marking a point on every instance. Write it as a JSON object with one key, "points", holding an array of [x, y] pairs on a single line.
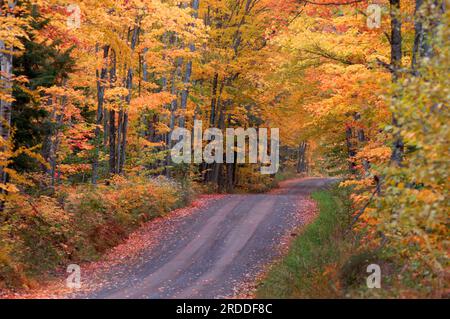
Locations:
{"points": [[309, 268], [43, 233], [329, 259], [77, 224]]}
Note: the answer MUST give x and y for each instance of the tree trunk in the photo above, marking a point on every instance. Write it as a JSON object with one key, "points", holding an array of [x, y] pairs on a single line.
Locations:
{"points": [[6, 84], [425, 26], [101, 77], [420, 44], [302, 160], [119, 132], [361, 136], [54, 146], [112, 120], [124, 142], [396, 37], [396, 59], [350, 149], [214, 100], [174, 103], [188, 72], [129, 86], [105, 127], [112, 142], [5, 107]]}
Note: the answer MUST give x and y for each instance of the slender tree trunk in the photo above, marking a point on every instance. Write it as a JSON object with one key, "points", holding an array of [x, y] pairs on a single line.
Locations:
{"points": [[396, 37], [5, 107], [105, 127], [302, 160], [112, 142], [46, 144], [119, 140], [218, 168], [350, 149], [129, 86], [101, 77], [396, 60], [153, 118], [215, 81], [420, 46], [173, 109], [425, 25], [174, 103], [230, 168], [144, 67], [112, 120], [124, 142], [6, 84], [176, 74], [188, 72], [54, 146], [6, 74], [361, 138]]}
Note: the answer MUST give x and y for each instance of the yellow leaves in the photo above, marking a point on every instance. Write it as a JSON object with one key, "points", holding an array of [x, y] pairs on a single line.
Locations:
{"points": [[116, 92], [375, 153], [6, 157], [371, 221], [147, 143], [359, 184], [9, 188], [21, 79], [12, 28], [6, 97], [427, 196], [151, 101], [118, 180], [115, 97], [162, 128], [359, 199], [72, 169]]}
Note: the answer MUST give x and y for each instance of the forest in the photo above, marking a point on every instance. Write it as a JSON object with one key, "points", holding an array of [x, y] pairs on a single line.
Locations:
{"points": [[91, 92]]}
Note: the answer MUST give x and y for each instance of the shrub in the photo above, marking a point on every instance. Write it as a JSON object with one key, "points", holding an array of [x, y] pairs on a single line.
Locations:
{"points": [[78, 223]]}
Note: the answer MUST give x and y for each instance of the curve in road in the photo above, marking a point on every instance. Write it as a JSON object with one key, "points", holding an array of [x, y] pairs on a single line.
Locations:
{"points": [[209, 253]]}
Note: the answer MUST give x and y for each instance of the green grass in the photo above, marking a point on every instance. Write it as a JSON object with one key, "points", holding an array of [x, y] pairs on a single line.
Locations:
{"points": [[307, 270]]}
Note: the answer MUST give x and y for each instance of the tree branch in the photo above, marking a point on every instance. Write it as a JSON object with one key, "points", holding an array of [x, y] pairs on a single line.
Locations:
{"points": [[361, 211], [391, 68]]}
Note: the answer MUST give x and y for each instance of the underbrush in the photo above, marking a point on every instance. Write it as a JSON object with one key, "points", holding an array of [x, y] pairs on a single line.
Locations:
{"points": [[327, 260], [77, 224]]}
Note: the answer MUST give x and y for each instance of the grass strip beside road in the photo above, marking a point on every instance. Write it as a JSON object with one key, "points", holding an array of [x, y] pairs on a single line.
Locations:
{"points": [[307, 270]]}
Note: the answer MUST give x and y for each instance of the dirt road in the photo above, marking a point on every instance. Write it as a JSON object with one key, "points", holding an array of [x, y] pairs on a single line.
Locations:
{"points": [[209, 253]]}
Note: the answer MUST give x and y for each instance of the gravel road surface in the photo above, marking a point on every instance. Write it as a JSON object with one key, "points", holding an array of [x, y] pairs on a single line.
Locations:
{"points": [[210, 253]]}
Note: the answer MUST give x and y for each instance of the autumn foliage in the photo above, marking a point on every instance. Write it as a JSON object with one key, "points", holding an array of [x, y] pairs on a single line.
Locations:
{"points": [[91, 90]]}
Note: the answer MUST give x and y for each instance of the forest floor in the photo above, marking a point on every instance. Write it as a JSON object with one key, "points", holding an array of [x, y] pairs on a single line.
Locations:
{"points": [[216, 248]]}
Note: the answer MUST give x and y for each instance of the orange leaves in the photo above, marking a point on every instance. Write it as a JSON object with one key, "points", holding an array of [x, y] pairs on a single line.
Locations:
{"points": [[151, 101], [333, 53], [427, 196], [116, 93], [72, 169], [162, 128], [281, 10], [375, 153], [9, 188], [146, 143]]}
